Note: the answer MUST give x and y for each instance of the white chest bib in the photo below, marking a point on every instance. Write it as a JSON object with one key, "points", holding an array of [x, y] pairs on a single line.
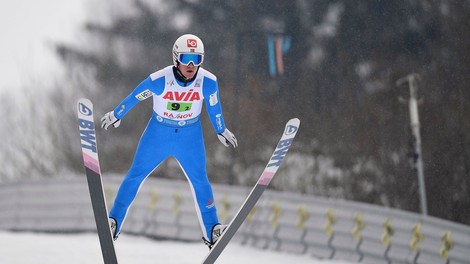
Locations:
{"points": [[179, 103]]}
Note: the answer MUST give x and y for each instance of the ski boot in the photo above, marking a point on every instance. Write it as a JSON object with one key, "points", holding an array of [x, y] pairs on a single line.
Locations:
{"points": [[113, 226], [217, 231]]}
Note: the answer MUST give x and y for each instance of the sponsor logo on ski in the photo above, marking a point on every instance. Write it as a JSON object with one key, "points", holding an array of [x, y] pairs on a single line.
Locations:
{"points": [[84, 110], [87, 127], [87, 134], [280, 152], [290, 130]]}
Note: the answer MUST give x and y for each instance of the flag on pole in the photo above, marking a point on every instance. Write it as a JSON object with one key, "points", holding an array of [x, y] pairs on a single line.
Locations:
{"points": [[278, 45]]}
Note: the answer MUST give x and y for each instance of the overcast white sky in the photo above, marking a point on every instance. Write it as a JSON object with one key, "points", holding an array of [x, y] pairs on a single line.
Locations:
{"points": [[28, 30]]}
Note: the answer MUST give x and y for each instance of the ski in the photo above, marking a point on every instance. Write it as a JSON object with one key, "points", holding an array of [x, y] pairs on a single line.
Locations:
{"points": [[275, 161], [93, 175]]}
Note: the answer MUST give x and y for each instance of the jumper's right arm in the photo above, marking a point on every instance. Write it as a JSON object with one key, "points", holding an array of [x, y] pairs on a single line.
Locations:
{"points": [[147, 88]]}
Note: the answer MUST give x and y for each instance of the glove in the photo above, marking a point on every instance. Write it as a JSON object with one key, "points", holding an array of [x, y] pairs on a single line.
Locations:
{"points": [[109, 120], [227, 138]]}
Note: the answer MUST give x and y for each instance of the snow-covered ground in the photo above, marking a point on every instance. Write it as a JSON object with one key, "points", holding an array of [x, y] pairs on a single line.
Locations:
{"points": [[27, 248]]}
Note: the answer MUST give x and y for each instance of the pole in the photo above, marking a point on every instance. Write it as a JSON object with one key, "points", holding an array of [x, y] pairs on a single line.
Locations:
{"points": [[412, 80]]}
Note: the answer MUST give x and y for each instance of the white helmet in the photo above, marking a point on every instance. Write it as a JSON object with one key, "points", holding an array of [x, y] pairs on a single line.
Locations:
{"points": [[188, 44]]}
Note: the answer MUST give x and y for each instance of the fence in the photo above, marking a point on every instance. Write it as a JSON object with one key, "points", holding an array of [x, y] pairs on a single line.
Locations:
{"points": [[290, 222]]}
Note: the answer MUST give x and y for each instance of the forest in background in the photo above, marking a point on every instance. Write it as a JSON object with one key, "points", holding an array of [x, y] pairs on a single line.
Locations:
{"points": [[339, 79]]}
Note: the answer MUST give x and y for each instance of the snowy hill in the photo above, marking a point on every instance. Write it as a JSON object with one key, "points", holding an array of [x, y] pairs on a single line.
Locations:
{"points": [[26, 248]]}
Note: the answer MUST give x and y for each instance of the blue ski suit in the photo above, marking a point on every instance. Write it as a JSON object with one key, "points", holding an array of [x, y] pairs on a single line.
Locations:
{"points": [[173, 130]]}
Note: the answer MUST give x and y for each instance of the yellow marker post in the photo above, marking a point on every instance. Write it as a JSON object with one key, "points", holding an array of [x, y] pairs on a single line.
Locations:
{"points": [[358, 226], [388, 232], [416, 238], [177, 201], [447, 245], [226, 205], [386, 235], [251, 215], [109, 192], [357, 233], [276, 213], [330, 221], [303, 216], [154, 198]]}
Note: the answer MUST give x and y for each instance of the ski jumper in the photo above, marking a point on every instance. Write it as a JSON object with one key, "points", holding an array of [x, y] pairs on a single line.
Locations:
{"points": [[173, 130]]}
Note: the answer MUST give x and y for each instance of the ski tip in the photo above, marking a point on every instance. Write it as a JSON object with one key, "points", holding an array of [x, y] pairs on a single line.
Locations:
{"points": [[84, 107], [84, 101], [292, 126], [294, 122]]}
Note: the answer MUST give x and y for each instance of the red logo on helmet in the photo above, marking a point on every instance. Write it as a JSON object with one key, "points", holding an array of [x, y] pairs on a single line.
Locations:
{"points": [[192, 43]]}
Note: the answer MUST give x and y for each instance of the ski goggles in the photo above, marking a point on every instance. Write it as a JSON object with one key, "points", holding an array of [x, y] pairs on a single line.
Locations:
{"points": [[187, 58]]}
